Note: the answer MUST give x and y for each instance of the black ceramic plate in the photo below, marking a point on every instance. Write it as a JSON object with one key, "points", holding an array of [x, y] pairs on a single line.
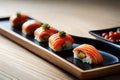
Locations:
{"points": [[98, 34], [110, 52]]}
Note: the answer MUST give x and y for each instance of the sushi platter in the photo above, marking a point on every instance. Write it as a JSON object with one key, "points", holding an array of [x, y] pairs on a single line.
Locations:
{"points": [[108, 64]]}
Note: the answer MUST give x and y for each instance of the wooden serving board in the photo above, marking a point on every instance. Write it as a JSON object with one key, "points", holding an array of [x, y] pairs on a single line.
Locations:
{"points": [[65, 59]]}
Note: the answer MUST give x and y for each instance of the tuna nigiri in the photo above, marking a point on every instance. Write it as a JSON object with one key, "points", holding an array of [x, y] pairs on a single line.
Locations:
{"points": [[44, 32], [60, 41], [88, 54], [29, 27]]}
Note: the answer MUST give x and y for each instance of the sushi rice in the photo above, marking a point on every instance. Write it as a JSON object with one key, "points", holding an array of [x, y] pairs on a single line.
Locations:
{"points": [[87, 59], [42, 39], [59, 48]]}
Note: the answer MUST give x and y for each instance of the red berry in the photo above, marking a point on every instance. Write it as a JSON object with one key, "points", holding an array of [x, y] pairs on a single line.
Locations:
{"points": [[106, 37], [104, 34], [115, 33], [118, 35], [111, 39], [111, 33]]}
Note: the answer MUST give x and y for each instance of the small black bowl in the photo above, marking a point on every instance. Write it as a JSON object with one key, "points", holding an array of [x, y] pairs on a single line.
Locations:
{"points": [[98, 34]]}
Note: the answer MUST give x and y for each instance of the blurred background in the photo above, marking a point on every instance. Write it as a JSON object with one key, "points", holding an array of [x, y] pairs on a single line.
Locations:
{"points": [[68, 13]]}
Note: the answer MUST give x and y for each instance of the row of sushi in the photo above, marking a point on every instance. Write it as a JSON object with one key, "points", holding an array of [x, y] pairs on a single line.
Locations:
{"points": [[57, 40]]}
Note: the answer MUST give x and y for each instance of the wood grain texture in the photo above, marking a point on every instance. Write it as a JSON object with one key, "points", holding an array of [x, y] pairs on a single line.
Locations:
{"points": [[18, 63], [23, 65]]}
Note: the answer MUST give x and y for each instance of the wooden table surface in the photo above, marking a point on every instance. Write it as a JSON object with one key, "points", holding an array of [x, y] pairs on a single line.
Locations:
{"points": [[75, 17]]}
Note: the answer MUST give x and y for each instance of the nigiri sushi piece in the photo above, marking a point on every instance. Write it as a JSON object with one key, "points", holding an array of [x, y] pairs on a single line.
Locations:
{"points": [[18, 19], [44, 32], [88, 54], [60, 41], [30, 26]]}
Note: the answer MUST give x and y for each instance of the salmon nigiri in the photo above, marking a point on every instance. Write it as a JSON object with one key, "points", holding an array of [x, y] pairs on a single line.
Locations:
{"points": [[18, 19], [88, 54], [29, 26], [44, 32], [60, 41]]}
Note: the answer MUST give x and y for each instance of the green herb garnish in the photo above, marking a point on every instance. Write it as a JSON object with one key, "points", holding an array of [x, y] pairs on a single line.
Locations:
{"points": [[18, 13], [45, 26], [62, 33]]}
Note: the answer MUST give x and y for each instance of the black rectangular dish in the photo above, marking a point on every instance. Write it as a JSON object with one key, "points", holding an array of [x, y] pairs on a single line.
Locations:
{"points": [[64, 59]]}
